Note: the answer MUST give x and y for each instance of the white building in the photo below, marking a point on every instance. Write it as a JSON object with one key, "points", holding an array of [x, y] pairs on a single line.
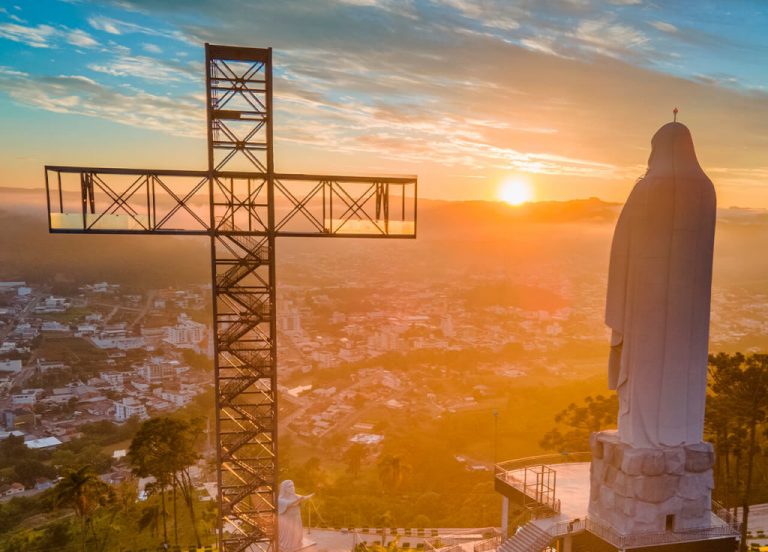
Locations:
{"points": [[186, 333], [367, 438], [158, 369], [15, 488], [129, 407], [42, 443], [46, 365], [113, 378], [176, 399], [26, 331], [54, 326], [10, 286], [10, 365], [290, 322], [101, 287], [26, 397], [124, 343], [387, 339], [446, 325], [86, 329], [53, 304], [7, 347]]}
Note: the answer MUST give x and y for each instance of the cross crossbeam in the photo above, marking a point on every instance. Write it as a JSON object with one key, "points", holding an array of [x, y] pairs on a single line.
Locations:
{"points": [[106, 200], [242, 205]]}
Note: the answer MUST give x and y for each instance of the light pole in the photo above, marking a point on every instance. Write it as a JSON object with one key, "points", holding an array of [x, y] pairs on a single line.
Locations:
{"points": [[495, 436], [504, 499]]}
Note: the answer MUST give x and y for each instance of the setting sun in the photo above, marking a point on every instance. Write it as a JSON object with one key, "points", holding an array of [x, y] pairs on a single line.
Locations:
{"points": [[515, 191]]}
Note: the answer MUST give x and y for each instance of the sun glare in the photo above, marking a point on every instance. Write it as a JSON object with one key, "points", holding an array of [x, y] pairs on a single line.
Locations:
{"points": [[515, 190]]}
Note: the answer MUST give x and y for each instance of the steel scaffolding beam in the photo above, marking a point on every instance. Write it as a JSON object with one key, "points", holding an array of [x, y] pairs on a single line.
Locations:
{"points": [[243, 205]]}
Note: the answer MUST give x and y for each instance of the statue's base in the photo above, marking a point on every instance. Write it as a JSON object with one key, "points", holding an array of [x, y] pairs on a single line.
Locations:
{"points": [[637, 491]]}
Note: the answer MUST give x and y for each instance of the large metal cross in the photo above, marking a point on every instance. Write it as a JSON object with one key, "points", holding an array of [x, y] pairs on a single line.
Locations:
{"points": [[243, 205]]}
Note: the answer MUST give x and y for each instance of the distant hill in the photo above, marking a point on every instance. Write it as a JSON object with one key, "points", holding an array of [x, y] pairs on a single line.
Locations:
{"points": [[29, 252], [437, 214], [480, 236]]}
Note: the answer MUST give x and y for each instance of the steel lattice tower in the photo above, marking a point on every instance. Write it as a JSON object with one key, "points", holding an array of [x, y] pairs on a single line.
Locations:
{"points": [[243, 205]]}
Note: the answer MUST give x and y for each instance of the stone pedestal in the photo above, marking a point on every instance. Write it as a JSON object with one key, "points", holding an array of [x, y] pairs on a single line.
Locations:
{"points": [[638, 491]]}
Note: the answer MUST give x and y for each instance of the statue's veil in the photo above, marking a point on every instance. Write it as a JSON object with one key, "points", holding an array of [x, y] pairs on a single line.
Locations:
{"points": [[672, 153]]}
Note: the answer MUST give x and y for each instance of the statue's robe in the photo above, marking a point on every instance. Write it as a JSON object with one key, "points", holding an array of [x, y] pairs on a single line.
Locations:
{"points": [[658, 302]]}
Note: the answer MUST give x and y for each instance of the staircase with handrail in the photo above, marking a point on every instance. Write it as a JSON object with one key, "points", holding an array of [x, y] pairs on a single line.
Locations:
{"points": [[530, 538]]}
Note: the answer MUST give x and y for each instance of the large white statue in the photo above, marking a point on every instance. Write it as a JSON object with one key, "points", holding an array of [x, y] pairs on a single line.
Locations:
{"points": [[289, 517], [658, 300]]}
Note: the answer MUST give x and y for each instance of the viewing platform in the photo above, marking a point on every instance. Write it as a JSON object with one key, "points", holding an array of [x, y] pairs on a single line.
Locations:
{"points": [[554, 491]]}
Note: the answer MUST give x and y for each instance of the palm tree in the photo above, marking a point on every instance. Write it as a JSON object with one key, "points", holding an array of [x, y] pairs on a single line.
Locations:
{"points": [[354, 457], [84, 492], [390, 472]]}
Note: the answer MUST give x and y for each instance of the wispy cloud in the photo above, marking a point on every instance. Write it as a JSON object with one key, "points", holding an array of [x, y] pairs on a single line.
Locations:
{"points": [[543, 45], [105, 24], [493, 14], [35, 36], [403, 8], [120, 27], [80, 95], [746, 174], [141, 67], [664, 26], [45, 36], [79, 37], [607, 37]]}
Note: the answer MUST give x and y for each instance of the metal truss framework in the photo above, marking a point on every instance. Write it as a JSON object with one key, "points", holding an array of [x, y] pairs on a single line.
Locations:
{"points": [[243, 206]]}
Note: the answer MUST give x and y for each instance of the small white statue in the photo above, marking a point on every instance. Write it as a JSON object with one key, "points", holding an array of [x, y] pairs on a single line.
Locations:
{"points": [[289, 517]]}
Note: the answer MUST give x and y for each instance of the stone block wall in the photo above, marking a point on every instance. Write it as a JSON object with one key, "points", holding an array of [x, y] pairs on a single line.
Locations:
{"points": [[635, 490]]}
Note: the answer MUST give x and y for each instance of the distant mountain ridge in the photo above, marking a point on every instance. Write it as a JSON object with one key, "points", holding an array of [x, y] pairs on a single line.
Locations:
{"points": [[480, 234], [32, 201]]}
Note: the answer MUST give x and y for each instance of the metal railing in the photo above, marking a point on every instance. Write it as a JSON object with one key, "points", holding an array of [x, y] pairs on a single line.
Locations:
{"points": [[608, 534], [723, 513], [666, 537], [562, 528], [541, 489], [545, 459], [488, 544], [447, 543], [555, 531]]}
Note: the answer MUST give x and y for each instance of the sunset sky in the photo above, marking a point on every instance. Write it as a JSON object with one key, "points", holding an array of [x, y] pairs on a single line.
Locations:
{"points": [[467, 94]]}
